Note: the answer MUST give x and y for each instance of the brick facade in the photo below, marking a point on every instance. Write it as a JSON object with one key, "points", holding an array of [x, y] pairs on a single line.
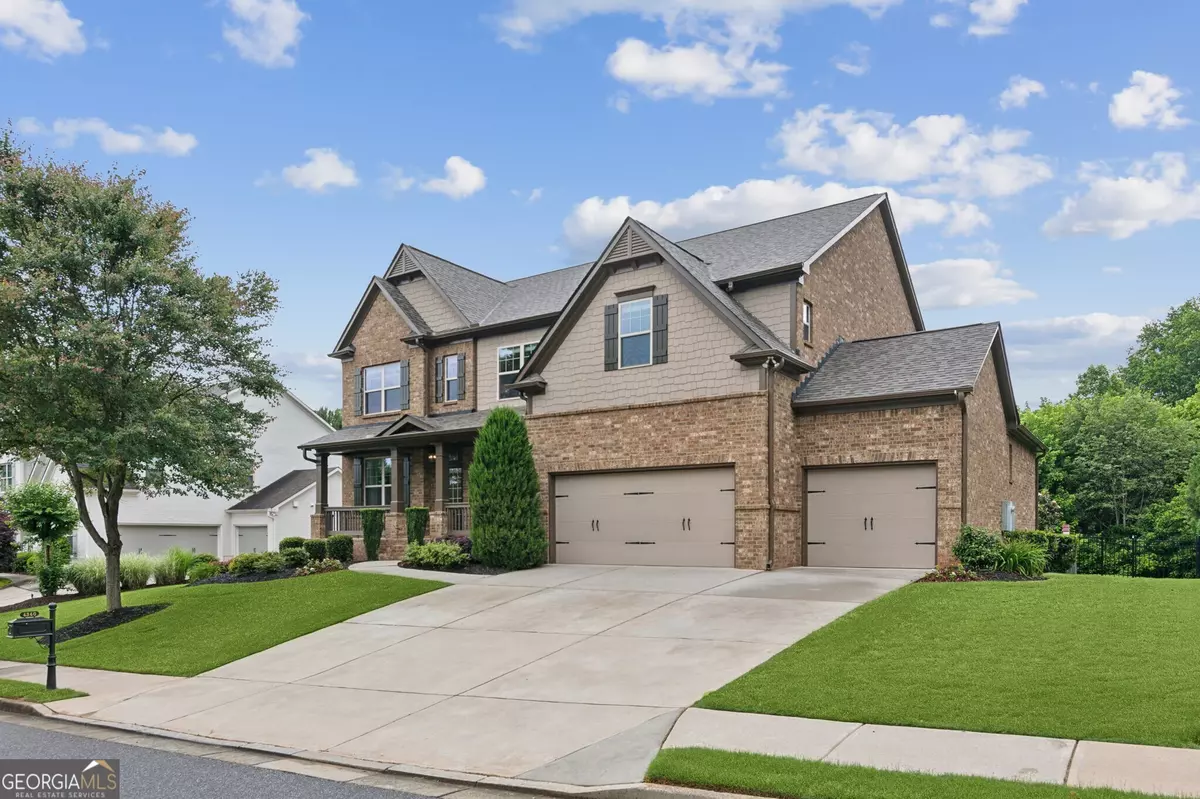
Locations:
{"points": [[932, 434], [990, 481], [467, 403], [379, 340], [703, 432]]}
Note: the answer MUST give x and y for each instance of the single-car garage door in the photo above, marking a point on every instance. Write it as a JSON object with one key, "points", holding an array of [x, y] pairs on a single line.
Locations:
{"points": [[873, 516], [678, 517], [157, 540]]}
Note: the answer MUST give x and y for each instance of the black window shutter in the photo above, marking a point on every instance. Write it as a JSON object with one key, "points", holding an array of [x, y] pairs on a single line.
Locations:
{"points": [[357, 399], [462, 377], [610, 338], [405, 392], [659, 337], [438, 382], [358, 482], [407, 486]]}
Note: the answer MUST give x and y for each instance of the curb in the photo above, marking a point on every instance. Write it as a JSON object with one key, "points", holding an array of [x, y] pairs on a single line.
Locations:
{"points": [[26, 708]]}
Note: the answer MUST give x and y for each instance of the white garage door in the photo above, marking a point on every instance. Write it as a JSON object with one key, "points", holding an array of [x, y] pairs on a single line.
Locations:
{"points": [[875, 516], [679, 517], [252, 538], [157, 540]]}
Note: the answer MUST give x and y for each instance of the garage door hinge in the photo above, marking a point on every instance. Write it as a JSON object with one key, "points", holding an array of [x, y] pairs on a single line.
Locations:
{"points": [[816, 543], [637, 493], [640, 543], [925, 543], [817, 491], [926, 488], [727, 543]]}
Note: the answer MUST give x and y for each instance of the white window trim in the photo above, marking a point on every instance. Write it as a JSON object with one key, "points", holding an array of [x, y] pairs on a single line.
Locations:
{"points": [[622, 336], [499, 374], [383, 487], [10, 481], [382, 390], [806, 324], [446, 361]]}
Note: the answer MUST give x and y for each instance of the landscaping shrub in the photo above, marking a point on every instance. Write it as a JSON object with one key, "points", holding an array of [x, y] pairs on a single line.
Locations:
{"points": [[1022, 557], [171, 568], [320, 567], [51, 579], [136, 570], [977, 549], [245, 563], [464, 543], [21, 563], [291, 542], [315, 547], [8, 543], [86, 576], [203, 569], [506, 516], [372, 524], [1062, 549], [205, 557], [294, 557], [47, 513], [269, 563], [416, 522], [340, 547], [441, 555]]}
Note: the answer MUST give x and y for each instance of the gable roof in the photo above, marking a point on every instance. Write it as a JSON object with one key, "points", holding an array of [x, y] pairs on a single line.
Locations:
{"points": [[470, 293], [398, 301], [410, 425], [279, 491]]}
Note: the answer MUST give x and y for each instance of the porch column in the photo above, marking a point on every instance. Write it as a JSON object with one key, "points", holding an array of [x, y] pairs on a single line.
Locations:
{"points": [[322, 482], [397, 482], [439, 480]]}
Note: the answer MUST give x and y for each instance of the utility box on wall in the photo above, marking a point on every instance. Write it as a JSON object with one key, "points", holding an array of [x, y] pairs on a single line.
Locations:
{"points": [[1008, 516]]}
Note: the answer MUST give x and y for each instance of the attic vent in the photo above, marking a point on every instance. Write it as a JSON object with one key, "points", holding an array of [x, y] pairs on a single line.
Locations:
{"points": [[630, 245], [403, 263]]}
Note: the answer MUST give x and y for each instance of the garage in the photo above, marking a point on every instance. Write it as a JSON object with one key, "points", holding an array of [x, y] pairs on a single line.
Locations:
{"points": [[252, 538], [873, 516], [675, 517], [158, 539]]}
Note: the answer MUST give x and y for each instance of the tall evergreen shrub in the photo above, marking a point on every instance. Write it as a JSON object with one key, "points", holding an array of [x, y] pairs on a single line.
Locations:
{"points": [[506, 513]]}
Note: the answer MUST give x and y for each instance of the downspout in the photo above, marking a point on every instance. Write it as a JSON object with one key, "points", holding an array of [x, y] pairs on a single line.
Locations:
{"points": [[962, 403], [770, 366]]}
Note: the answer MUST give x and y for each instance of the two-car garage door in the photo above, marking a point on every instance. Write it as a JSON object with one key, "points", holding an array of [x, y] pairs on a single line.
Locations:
{"points": [[873, 516], [678, 517]]}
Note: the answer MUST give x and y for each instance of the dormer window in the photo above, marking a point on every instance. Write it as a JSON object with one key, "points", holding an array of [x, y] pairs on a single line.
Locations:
{"points": [[635, 332]]}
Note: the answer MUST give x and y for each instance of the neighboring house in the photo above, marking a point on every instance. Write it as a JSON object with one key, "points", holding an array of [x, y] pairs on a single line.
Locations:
{"points": [[281, 507], [690, 402]]}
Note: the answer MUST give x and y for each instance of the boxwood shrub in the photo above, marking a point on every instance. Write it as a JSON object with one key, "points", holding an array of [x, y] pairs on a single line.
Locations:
{"points": [[245, 563], [977, 549], [441, 555], [340, 547], [291, 542], [295, 557], [315, 547]]}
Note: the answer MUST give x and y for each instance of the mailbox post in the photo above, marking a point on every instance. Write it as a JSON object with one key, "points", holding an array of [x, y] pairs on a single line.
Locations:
{"points": [[32, 625]]}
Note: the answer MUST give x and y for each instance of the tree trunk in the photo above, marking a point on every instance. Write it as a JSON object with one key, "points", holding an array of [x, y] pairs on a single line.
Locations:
{"points": [[112, 562]]}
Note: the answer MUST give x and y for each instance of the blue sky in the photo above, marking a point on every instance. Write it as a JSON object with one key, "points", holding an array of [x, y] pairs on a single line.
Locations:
{"points": [[1041, 154]]}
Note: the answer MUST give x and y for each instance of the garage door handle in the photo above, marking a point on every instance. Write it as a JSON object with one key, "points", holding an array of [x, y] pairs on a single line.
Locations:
{"points": [[872, 522], [864, 522]]}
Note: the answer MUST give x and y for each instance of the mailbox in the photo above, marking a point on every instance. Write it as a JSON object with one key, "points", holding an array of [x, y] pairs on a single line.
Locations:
{"points": [[36, 627]]}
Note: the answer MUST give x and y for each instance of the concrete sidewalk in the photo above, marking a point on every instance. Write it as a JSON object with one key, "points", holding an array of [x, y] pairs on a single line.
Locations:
{"points": [[1083, 764]]}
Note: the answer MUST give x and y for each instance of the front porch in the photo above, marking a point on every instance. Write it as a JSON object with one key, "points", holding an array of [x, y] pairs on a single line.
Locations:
{"points": [[392, 471]]}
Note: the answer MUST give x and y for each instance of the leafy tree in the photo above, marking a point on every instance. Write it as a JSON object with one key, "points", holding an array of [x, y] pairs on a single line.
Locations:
{"points": [[1166, 361], [1191, 489], [47, 513], [1046, 422], [1049, 512], [506, 512], [331, 415], [8, 542], [119, 359], [1098, 380]]}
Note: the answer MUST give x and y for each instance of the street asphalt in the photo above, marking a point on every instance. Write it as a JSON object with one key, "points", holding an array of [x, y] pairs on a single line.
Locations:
{"points": [[153, 774]]}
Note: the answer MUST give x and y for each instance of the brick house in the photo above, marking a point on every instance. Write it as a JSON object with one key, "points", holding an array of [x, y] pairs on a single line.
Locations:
{"points": [[762, 397]]}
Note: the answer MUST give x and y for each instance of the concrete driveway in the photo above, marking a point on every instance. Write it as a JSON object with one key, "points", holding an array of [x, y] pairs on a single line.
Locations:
{"points": [[571, 674]]}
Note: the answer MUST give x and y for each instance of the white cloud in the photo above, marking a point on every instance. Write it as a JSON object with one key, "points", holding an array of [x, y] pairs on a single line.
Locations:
{"points": [[992, 17], [266, 32], [944, 153], [857, 63], [1094, 87], [941, 21], [699, 71], [1048, 354], [534, 195], [1148, 100], [138, 139], [1154, 192], [966, 283], [1019, 90], [620, 101], [324, 169], [462, 179], [595, 219], [1111, 270], [43, 29], [395, 181]]}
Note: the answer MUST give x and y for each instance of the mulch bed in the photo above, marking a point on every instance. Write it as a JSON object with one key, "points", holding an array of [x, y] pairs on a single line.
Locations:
{"points": [[41, 601], [957, 575], [470, 568], [105, 620], [230, 577]]}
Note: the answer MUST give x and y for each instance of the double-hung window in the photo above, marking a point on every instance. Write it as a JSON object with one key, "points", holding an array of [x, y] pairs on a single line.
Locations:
{"points": [[453, 379], [7, 476], [509, 362], [635, 332], [385, 388], [377, 481]]}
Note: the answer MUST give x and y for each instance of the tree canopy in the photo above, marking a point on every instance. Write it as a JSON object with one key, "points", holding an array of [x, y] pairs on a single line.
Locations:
{"points": [[119, 359], [1166, 361]]}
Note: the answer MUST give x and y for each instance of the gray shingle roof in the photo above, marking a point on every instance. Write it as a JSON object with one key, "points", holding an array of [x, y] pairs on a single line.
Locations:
{"points": [[537, 295], [409, 310], [279, 491], [775, 243], [472, 293], [929, 362], [358, 432], [446, 423]]}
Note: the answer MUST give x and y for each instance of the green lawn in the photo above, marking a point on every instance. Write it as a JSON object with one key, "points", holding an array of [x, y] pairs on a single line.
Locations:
{"points": [[5, 582], [210, 625], [32, 692], [1097, 658], [765, 775]]}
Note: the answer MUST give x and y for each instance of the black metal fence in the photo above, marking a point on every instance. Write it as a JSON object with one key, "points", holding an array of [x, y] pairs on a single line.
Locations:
{"points": [[1120, 551]]}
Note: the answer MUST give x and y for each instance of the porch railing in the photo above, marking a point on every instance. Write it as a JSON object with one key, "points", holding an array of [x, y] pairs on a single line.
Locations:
{"points": [[347, 521], [458, 519]]}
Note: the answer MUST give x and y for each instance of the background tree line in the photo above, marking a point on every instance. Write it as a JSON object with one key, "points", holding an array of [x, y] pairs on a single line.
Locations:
{"points": [[1123, 459]]}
